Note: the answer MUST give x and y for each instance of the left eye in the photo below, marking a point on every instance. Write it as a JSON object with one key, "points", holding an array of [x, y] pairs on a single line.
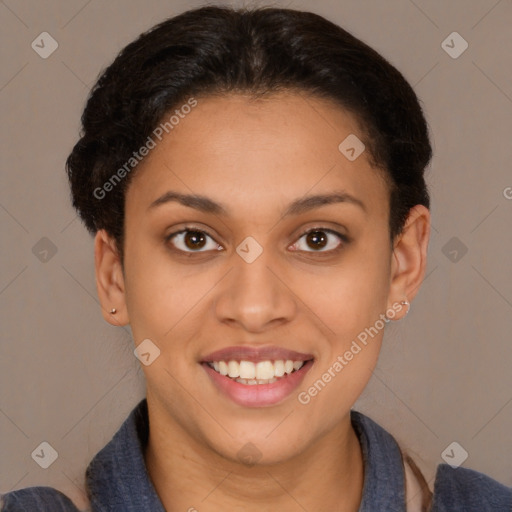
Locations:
{"points": [[320, 238]]}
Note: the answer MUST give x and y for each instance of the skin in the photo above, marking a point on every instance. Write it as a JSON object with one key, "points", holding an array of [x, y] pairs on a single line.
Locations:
{"points": [[256, 157]]}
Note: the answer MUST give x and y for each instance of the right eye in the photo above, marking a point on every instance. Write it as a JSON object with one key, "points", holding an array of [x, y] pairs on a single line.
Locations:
{"points": [[192, 240]]}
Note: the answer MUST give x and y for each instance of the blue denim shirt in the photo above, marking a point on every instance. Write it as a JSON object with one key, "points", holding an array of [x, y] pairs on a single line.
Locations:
{"points": [[117, 479]]}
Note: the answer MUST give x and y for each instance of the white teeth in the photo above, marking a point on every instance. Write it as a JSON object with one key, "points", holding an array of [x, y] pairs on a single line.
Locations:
{"points": [[252, 382], [247, 370], [223, 368], [278, 368], [297, 365], [288, 366], [263, 372], [233, 369]]}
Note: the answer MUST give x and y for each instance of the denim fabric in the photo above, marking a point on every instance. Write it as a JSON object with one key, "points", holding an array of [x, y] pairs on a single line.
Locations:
{"points": [[465, 489], [121, 464], [117, 479], [384, 475], [34, 499]]}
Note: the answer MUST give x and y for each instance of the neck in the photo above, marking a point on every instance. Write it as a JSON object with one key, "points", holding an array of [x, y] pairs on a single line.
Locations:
{"points": [[189, 475]]}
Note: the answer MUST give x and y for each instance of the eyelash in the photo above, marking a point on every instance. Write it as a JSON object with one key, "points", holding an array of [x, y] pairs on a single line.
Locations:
{"points": [[344, 239]]}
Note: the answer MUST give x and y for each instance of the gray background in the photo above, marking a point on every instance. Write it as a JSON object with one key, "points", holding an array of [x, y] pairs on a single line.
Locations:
{"points": [[70, 379]]}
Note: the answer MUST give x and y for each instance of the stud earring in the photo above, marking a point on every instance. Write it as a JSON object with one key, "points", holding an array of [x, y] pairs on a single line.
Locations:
{"points": [[113, 311], [403, 303], [406, 303]]}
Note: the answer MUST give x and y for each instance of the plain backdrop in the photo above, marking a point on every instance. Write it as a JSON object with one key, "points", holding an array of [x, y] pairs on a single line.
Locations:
{"points": [[70, 379]]}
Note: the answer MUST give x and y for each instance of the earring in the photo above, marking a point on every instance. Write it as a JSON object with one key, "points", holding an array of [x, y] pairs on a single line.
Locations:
{"points": [[113, 311], [403, 303], [406, 303]]}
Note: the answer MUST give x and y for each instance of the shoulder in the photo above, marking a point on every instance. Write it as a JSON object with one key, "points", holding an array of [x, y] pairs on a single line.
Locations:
{"points": [[42, 499], [469, 490]]}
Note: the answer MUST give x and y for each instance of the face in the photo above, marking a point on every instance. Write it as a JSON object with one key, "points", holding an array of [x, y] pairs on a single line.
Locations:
{"points": [[286, 254]]}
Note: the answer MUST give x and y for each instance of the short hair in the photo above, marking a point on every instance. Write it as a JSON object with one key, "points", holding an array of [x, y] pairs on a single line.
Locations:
{"points": [[218, 50]]}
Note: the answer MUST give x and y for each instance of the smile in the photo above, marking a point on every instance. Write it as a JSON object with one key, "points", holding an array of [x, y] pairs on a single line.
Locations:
{"points": [[263, 372], [258, 384]]}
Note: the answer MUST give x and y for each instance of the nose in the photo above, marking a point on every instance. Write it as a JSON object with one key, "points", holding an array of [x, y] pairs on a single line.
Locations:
{"points": [[255, 295]]}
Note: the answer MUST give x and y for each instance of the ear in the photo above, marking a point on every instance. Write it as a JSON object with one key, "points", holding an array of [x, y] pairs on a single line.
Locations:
{"points": [[409, 259], [110, 279]]}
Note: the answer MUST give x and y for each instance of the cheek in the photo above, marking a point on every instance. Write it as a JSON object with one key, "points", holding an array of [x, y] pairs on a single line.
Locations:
{"points": [[352, 305], [155, 294], [166, 301], [354, 295]]}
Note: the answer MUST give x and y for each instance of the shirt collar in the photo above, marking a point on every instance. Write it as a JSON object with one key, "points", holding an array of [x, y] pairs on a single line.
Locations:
{"points": [[384, 477], [117, 478]]}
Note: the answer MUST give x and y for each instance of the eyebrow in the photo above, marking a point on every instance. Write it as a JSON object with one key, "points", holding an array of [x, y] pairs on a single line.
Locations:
{"points": [[297, 207]]}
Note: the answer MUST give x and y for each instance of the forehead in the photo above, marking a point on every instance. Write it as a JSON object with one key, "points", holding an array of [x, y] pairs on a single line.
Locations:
{"points": [[235, 148]]}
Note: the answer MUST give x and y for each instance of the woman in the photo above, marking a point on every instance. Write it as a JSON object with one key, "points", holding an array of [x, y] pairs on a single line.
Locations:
{"points": [[255, 183]]}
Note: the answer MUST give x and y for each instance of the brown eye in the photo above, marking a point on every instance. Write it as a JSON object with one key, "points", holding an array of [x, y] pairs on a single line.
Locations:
{"points": [[192, 240], [320, 240], [316, 239]]}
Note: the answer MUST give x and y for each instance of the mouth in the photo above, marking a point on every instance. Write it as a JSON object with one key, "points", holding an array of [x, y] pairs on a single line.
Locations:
{"points": [[256, 374], [258, 382]]}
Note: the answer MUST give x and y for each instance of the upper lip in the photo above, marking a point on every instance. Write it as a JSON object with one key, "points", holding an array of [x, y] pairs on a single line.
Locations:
{"points": [[255, 354]]}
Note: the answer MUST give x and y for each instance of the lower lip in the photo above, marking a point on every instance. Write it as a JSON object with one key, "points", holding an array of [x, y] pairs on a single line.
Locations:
{"points": [[258, 395]]}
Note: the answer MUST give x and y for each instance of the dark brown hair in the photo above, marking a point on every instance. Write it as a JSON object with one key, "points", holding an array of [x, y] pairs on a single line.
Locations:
{"points": [[260, 51]]}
